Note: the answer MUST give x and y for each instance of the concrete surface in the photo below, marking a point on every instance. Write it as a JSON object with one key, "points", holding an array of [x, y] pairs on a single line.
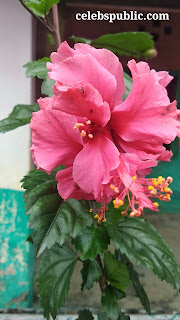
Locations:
{"points": [[74, 317]]}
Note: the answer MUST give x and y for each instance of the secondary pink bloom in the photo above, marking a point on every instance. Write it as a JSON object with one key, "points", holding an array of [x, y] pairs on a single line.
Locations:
{"points": [[102, 141], [146, 119]]}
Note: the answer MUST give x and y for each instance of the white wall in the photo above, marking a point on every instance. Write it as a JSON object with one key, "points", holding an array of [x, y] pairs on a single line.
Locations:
{"points": [[15, 50]]}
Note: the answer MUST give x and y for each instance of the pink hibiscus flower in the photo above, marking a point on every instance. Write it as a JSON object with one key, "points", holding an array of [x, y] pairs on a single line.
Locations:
{"points": [[102, 141]]}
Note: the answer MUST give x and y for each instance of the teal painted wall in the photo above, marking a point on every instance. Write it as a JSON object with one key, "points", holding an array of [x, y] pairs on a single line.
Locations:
{"points": [[16, 255]]}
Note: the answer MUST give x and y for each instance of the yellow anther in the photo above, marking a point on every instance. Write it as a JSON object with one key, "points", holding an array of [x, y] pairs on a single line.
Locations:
{"points": [[90, 135], [167, 190], [161, 178], [169, 179], [96, 216], [137, 213], [153, 192], [167, 198], [134, 178], [150, 188], [117, 203], [124, 213], [154, 181], [156, 204], [104, 220], [83, 133], [88, 122], [78, 125], [90, 210], [116, 190], [112, 187], [132, 214]]}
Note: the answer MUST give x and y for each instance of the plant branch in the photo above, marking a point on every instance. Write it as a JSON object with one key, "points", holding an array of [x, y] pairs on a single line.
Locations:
{"points": [[38, 18], [46, 19], [102, 279], [56, 32]]}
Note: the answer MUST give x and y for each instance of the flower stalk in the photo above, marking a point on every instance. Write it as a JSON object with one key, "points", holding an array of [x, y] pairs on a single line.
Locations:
{"points": [[102, 279], [56, 31]]}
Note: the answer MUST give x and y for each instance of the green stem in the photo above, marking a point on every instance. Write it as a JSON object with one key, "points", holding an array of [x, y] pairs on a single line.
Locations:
{"points": [[102, 279], [53, 29], [38, 18], [56, 31]]}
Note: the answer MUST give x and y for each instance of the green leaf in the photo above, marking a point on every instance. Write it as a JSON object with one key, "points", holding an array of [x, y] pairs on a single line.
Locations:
{"points": [[37, 68], [102, 316], [141, 294], [56, 223], [119, 294], [40, 8], [116, 272], [136, 44], [51, 39], [20, 116], [91, 241], [123, 316], [36, 177], [91, 273], [139, 240], [52, 219], [128, 83], [109, 303], [47, 86], [53, 278], [85, 315]]}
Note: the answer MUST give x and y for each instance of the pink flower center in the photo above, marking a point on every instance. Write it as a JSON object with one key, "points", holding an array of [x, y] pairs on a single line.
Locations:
{"points": [[87, 129]]}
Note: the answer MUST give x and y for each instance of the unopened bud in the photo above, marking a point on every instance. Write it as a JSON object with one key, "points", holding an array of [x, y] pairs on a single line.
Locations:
{"points": [[149, 54]]}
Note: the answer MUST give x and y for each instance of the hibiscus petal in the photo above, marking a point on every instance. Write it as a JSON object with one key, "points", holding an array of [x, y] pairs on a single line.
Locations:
{"points": [[93, 164], [82, 100], [84, 68], [144, 150], [138, 68], [46, 103], [137, 166], [142, 67], [54, 142], [150, 125], [63, 52], [165, 156], [67, 188], [133, 186], [146, 113], [110, 62], [164, 78]]}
